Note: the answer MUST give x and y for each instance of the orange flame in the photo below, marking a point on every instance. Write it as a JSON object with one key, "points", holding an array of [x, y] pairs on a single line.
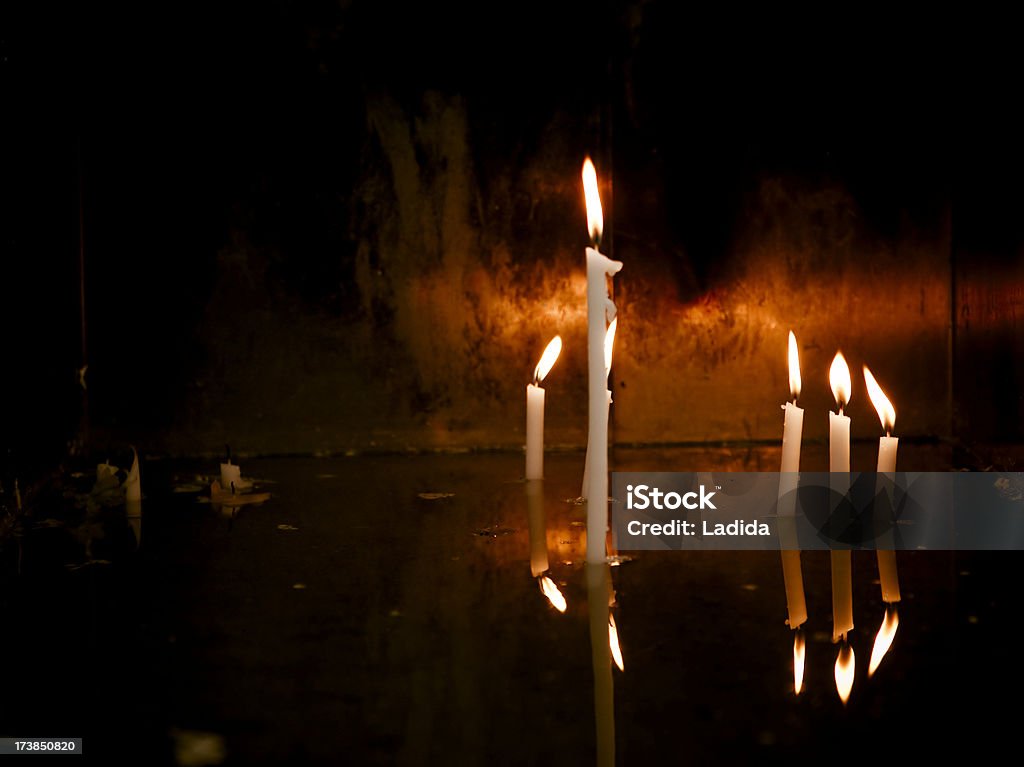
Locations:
{"points": [[886, 412], [794, 367], [595, 216], [547, 359], [883, 639], [609, 343], [845, 666], [799, 650], [839, 380], [613, 642], [550, 590]]}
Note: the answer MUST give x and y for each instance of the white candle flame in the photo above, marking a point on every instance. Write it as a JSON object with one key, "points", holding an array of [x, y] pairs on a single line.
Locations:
{"points": [[595, 217], [839, 380], [886, 412], [794, 367], [547, 359]]}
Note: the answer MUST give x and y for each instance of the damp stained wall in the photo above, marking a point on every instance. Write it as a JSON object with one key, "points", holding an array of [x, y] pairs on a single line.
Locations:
{"points": [[326, 231]]}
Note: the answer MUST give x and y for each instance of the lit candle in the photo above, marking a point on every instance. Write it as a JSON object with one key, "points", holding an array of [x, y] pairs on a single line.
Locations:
{"points": [[793, 425], [535, 411], [600, 311], [839, 461], [839, 424], [609, 344], [887, 445], [792, 432]]}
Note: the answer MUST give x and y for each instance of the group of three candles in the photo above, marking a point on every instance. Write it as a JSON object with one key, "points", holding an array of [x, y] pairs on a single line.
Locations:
{"points": [[839, 464]]}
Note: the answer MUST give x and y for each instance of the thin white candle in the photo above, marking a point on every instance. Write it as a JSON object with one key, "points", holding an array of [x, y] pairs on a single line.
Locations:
{"points": [[535, 411], [839, 462], [792, 433], [609, 345], [600, 311], [793, 425], [887, 573]]}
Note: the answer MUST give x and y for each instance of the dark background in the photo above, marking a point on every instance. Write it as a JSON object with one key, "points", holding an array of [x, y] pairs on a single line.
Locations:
{"points": [[226, 164]]}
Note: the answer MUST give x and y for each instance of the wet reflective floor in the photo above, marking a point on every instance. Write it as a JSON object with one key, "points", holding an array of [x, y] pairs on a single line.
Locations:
{"points": [[381, 610]]}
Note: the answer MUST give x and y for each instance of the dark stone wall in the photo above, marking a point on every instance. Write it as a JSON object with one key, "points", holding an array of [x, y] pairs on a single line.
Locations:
{"points": [[319, 227]]}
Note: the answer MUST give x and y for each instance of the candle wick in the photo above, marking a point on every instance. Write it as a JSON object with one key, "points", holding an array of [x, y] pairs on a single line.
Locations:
{"points": [[888, 433]]}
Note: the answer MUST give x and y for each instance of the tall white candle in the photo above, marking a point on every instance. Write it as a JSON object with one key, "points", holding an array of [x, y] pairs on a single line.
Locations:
{"points": [[535, 411], [887, 573], [609, 345], [793, 424], [600, 311], [839, 461], [792, 433]]}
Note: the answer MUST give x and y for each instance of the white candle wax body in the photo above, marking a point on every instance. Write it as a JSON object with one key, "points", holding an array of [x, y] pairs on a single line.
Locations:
{"points": [[586, 462], [887, 454], [229, 473], [534, 432], [838, 443], [792, 434], [792, 573], [842, 573], [598, 305], [887, 573]]}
